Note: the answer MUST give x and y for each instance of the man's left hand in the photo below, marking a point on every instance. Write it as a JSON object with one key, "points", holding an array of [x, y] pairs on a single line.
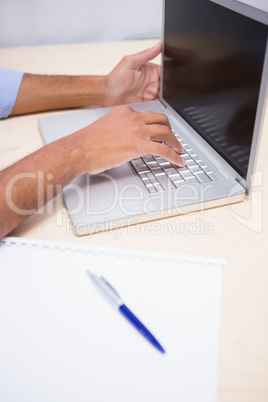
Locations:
{"points": [[134, 79]]}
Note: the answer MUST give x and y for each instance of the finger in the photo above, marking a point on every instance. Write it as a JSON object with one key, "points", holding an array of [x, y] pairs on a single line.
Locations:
{"points": [[169, 138], [144, 56], [171, 141], [151, 91], [159, 121], [156, 118], [165, 152], [161, 133], [160, 130], [155, 51]]}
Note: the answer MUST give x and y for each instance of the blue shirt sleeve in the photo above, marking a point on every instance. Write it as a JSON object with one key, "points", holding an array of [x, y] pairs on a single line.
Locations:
{"points": [[10, 81]]}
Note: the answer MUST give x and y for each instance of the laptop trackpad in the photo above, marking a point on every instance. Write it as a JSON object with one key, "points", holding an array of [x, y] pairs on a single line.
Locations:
{"points": [[115, 194]]}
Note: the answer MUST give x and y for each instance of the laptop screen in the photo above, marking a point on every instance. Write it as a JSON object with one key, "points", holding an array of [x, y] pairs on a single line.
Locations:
{"points": [[213, 60]]}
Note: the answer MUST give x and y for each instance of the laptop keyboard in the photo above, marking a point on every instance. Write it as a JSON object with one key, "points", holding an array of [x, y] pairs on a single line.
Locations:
{"points": [[159, 174]]}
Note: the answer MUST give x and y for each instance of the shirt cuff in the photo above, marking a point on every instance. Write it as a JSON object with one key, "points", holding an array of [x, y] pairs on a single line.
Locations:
{"points": [[10, 81]]}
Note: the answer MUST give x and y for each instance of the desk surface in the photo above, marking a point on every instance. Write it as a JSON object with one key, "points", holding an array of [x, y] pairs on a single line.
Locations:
{"points": [[237, 233]]}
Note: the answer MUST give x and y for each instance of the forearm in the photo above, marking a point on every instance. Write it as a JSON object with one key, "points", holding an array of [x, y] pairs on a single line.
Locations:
{"points": [[31, 182], [117, 137], [50, 92]]}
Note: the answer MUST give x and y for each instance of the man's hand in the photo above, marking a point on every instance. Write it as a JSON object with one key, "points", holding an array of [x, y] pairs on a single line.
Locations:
{"points": [[124, 134], [134, 79]]}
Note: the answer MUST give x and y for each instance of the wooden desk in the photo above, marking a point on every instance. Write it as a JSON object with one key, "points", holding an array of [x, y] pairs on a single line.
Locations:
{"points": [[237, 233]]}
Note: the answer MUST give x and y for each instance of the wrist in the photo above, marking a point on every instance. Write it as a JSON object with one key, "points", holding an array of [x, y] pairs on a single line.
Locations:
{"points": [[105, 92], [111, 91], [93, 92]]}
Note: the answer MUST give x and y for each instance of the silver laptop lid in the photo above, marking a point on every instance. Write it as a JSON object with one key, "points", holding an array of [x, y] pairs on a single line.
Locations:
{"points": [[214, 75]]}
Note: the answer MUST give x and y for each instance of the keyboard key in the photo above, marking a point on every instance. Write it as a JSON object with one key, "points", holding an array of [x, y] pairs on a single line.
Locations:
{"points": [[206, 169], [152, 179], [191, 163], [141, 169], [179, 183], [202, 177], [157, 171], [149, 159], [151, 188], [140, 166], [191, 152], [212, 176], [186, 157], [165, 182], [196, 158], [166, 165], [160, 159], [144, 178], [202, 164], [171, 172], [195, 169], [186, 175], [183, 169], [191, 180], [176, 178], [152, 164]]}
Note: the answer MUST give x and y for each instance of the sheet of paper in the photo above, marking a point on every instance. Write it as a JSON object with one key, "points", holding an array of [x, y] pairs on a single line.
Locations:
{"points": [[60, 340]]}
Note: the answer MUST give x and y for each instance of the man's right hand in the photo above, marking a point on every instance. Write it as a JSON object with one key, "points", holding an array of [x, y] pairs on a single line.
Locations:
{"points": [[124, 134]]}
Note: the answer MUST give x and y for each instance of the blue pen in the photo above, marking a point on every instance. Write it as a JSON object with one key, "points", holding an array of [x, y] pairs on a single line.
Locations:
{"points": [[113, 297]]}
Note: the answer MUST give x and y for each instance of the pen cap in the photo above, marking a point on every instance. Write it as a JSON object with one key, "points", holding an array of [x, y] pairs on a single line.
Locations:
{"points": [[106, 290]]}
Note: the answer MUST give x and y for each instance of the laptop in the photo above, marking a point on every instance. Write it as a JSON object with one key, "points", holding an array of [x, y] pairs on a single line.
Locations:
{"points": [[214, 73]]}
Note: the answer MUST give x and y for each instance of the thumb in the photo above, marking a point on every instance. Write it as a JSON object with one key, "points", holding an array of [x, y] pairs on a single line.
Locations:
{"points": [[144, 56]]}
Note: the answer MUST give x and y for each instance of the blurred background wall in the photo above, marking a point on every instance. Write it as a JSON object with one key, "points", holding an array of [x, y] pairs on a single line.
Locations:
{"points": [[44, 22]]}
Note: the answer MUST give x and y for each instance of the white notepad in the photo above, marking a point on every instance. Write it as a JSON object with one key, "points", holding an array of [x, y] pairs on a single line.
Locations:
{"points": [[61, 341]]}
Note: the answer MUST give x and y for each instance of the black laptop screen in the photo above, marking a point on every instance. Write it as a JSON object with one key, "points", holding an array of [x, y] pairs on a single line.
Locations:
{"points": [[213, 61]]}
